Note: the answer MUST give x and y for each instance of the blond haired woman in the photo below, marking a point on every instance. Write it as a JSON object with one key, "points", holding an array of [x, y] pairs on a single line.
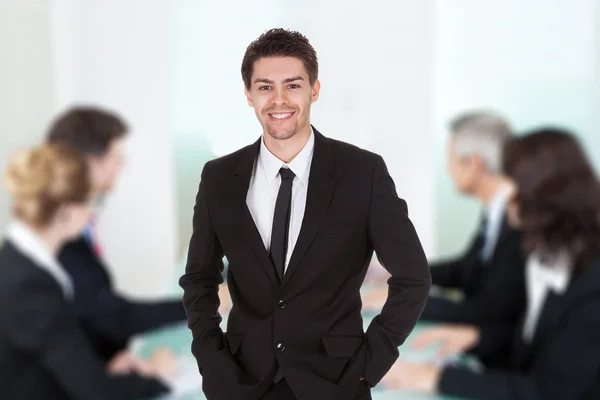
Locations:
{"points": [[43, 353]]}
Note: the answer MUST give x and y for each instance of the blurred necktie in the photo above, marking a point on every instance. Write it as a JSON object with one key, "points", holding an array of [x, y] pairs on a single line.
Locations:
{"points": [[486, 244], [93, 237]]}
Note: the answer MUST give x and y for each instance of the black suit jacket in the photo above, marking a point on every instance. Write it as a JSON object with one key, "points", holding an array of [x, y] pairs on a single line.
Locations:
{"points": [[43, 352], [486, 285], [310, 323], [561, 362], [108, 319]]}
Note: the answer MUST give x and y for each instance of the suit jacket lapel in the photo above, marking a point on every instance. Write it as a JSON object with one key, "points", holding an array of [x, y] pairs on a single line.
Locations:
{"points": [[554, 306], [549, 315], [241, 182], [320, 192]]}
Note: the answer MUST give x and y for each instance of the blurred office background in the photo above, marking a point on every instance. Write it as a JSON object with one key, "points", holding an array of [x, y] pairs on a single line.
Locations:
{"points": [[393, 73]]}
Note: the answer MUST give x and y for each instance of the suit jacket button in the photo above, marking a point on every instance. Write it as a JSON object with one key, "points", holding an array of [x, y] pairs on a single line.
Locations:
{"points": [[281, 304], [281, 347]]}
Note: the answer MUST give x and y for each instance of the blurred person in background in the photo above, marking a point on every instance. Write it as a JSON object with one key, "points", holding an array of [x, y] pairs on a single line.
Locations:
{"points": [[108, 318], [44, 354], [554, 352], [491, 269]]}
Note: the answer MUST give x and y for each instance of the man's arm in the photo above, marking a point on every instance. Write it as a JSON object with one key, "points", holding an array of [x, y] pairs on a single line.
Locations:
{"points": [[445, 310], [447, 273], [119, 319], [451, 273], [39, 324], [494, 343], [502, 297], [400, 252], [203, 275], [148, 315], [103, 309]]}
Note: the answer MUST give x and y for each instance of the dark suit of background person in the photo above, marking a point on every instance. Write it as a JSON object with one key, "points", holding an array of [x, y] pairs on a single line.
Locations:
{"points": [[554, 352], [43, 352], [491, 269], [561, 361], [486, 282], [109, 319], [309, 325]]}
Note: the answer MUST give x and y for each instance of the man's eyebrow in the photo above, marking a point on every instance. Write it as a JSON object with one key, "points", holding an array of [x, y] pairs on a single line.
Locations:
{"points": [[287, 80]]}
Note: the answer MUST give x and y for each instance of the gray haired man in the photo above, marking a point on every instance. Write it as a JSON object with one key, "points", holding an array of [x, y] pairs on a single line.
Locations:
{"points": [[491, 268]]}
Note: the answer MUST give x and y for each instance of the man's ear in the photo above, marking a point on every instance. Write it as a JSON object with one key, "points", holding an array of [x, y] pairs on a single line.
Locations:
{"points": [[316, 88], [248, 97]]}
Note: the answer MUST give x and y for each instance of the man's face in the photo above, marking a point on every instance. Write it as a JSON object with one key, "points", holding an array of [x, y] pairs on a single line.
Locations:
{"points": [[464, 171], [105, 169], [281, 95]]}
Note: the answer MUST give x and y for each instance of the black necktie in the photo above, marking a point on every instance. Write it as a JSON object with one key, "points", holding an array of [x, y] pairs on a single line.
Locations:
{"points": [[483, 235], [281, 221]]}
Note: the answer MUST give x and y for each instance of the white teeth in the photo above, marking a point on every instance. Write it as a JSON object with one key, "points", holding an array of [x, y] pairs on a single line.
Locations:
{"points": [[281, 116]]}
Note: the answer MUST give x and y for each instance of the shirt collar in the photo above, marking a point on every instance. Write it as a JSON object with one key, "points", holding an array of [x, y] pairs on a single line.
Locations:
{"points": [[554, 274], [30, 244], [498, 202], [300, 165]]}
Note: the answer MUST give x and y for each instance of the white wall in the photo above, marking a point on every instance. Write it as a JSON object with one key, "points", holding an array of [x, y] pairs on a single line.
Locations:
{"points": [[26, 80], [536, 61], [118, 54], [375, 62]]}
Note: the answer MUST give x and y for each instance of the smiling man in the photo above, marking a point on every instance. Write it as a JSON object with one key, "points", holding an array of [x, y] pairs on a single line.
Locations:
{"points": [[298, 216]]}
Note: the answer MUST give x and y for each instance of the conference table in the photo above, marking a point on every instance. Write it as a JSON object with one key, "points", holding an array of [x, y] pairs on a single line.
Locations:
{"points": [[178, 339]]}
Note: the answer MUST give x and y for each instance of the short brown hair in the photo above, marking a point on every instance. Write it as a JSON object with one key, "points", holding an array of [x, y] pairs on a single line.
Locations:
{"points": [[90, 130], [42, 179], [558, 193], [280, 43]]}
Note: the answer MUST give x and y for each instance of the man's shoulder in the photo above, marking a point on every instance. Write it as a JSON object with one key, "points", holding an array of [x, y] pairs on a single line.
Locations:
{"points": [[346, 153], [76, 246], [229, 161], [76, 253], [510, 232]]}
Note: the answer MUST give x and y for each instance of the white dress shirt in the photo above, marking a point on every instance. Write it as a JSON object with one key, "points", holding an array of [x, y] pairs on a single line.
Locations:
{"points": [[495, 217], [542, 277], [30, 244], [264, 186]]}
